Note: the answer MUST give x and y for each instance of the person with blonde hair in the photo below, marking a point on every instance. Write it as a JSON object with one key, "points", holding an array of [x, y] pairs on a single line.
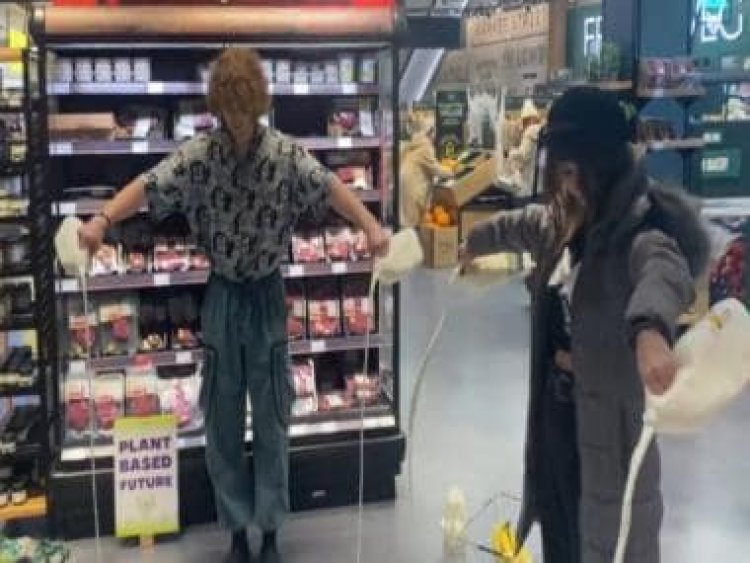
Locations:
{"points": [[419, 169], [242, 188]]}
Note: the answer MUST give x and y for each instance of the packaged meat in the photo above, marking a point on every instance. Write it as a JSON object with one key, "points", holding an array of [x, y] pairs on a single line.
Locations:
{"points": [[308, 248], [105, 262], [117, 326], [296, 307], [368, 69], [109, 400], [141, 69], [324, 310], [84, 69], [123, 67], [283, 71], [346, 69], [303, 374], [82, 336], [103, 70], [301, 73], [77, 405], [179, 396], [171, 256], [355, 177], [332, 72], [339, 243], [364, 388], [333, 401], [142, 392], [360, 246], [304, 406], [358, 310], [141, 122], [183, 316], [153, 325]]}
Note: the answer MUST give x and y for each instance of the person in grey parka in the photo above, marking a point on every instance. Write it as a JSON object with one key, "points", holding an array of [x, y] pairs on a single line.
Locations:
{"points": [[635, 251]]}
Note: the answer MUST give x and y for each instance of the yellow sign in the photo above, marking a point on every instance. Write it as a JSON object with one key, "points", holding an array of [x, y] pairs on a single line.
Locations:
{"points": [[146, 477]]}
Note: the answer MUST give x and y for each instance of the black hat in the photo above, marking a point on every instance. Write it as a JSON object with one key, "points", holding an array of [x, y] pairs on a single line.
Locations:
{"points": [[588, 116]]}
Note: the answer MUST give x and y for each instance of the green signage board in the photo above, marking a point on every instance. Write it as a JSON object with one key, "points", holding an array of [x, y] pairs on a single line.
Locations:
{"points": [[451, 110]]}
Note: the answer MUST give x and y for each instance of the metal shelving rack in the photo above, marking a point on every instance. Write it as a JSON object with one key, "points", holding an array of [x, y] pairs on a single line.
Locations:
{"points": [[37, 219], [324, 451]]}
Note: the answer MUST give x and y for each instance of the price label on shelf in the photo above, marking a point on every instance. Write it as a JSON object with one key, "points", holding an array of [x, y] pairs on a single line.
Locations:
{"points": [[301, 89], [69, 286], [139, 147], [182, 358], [317, 346], [296, 271], [66, 208], [77, 366], [657, 145], [339, 267], [61, 148], [344, 142], [161, 280], [348, 89], [155, 88], [60, 89]]}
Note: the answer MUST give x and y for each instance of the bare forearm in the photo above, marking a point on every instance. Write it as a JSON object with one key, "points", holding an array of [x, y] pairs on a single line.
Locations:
{"points": [[127, 202], [348, 205]]}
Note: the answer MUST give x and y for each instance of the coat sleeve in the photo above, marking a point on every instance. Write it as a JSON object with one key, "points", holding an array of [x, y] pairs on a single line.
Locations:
{"points": [[523, 230], [429, 163], [663, 287]]}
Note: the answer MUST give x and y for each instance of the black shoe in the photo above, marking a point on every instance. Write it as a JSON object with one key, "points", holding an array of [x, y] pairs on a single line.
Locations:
{"points": [[240, 550], [269, 553]]}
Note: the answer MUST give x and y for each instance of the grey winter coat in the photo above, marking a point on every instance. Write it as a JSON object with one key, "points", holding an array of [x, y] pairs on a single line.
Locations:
{"points": [[637, 270]]}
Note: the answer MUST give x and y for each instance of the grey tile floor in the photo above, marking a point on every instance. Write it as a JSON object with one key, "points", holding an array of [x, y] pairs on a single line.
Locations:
{"points": [[469, 433]]}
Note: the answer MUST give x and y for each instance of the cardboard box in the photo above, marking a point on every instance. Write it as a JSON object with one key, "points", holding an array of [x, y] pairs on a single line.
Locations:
{"points": [[463, 190], [440, 246]]}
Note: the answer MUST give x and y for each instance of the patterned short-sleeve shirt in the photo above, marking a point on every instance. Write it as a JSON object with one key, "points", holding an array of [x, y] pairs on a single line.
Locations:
{"points": [[243, 211]]}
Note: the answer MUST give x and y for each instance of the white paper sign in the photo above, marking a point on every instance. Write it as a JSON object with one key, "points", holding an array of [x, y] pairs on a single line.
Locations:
{"points": [[146, 477]]}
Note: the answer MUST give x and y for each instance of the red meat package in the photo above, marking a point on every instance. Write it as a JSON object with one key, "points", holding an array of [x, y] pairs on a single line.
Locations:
{"points": [[360, 247], [333, 401], [324, 310], [142, 392], [296, 311], [105, 261], [117, 330], [179, 396], [171, 257], [109, 400], [77, 405], [364, 388], [303, 374], [358, 310], [339, 244], [308, 248], [355, 177], [82, 335]]}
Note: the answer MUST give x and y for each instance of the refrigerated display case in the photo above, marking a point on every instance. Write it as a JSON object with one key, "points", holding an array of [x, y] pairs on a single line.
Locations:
{"points": [[130, 90]]}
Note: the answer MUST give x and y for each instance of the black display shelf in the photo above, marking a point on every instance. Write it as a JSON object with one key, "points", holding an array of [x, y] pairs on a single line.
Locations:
{"points": [[118, 282], [21, 323], [20, 391], [329, 423], [166, 146], [24, 452], [194, 88], [185, 357], [16, 272]]}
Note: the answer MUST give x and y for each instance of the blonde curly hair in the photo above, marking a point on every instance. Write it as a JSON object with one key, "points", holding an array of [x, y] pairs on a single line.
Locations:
{"points": [[238, 84]]}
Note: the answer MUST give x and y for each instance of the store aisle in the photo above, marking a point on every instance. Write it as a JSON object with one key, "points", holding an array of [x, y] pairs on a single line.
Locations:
{"points": [[470, 434]]}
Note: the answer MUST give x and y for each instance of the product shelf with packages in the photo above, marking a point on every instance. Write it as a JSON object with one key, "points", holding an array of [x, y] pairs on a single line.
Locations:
{"points": [[27, 307], [119, 108]]}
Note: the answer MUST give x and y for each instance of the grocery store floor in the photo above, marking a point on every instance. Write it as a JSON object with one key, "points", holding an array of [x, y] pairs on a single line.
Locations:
{"points": [[469, 433]]}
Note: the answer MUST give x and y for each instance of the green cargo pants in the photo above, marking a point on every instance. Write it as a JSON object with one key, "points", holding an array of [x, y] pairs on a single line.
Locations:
{"points": [[244, 331]]}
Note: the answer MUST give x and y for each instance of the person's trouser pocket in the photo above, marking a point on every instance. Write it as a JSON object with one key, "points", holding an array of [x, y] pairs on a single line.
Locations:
{"points": [[208, 380], [281, 382]]}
